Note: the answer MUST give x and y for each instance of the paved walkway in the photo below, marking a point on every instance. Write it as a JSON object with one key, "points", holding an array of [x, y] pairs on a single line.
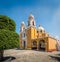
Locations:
{"points": [[30, 55]]}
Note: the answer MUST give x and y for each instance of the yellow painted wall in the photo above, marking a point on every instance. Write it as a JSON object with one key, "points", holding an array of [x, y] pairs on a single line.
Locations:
{"points": [[28, 33], [21, 40], [46, 43], [31, 34], [51, 44], [41, 34]]}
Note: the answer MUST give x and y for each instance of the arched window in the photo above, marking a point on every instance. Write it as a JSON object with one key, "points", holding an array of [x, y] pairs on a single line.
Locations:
{"points": [[24, 43], [41, 31], [24, 34], [33, 23], [28, 23], [37, 31], [34, 43]]}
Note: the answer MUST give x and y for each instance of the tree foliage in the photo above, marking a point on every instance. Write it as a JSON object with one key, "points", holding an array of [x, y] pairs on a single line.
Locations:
{"points": [[7, 23], [8, 37]]}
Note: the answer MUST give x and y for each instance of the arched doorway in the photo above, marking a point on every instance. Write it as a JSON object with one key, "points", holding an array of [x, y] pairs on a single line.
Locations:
{"points": [[42, 45], [24, 44], [34, 45]]}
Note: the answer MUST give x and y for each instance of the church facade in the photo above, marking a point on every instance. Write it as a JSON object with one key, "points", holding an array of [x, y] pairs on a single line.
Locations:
{"points": [[36, 38]]}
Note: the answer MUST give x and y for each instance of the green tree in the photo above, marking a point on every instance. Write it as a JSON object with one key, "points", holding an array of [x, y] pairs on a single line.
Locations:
{"points": [[8, 37], [7, 23]]}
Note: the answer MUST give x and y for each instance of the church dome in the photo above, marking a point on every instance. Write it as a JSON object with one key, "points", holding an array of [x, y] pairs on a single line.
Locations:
{"points": [[40, 28]]}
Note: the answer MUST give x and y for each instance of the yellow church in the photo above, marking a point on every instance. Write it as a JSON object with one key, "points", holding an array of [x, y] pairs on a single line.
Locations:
{"points": [[36, 38]]}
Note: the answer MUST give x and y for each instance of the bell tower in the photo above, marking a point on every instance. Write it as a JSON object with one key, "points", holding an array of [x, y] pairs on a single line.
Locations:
{"points": [[31, 21], [23, 37], [31, 30], [22, 27]]}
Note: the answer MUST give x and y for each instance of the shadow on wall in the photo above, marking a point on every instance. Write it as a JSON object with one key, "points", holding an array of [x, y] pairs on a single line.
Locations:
{"points": [[7, 59], [56, 57]]}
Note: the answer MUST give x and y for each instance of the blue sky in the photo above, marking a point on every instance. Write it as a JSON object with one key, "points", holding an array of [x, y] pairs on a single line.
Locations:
{"points": [[46, 13]]}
